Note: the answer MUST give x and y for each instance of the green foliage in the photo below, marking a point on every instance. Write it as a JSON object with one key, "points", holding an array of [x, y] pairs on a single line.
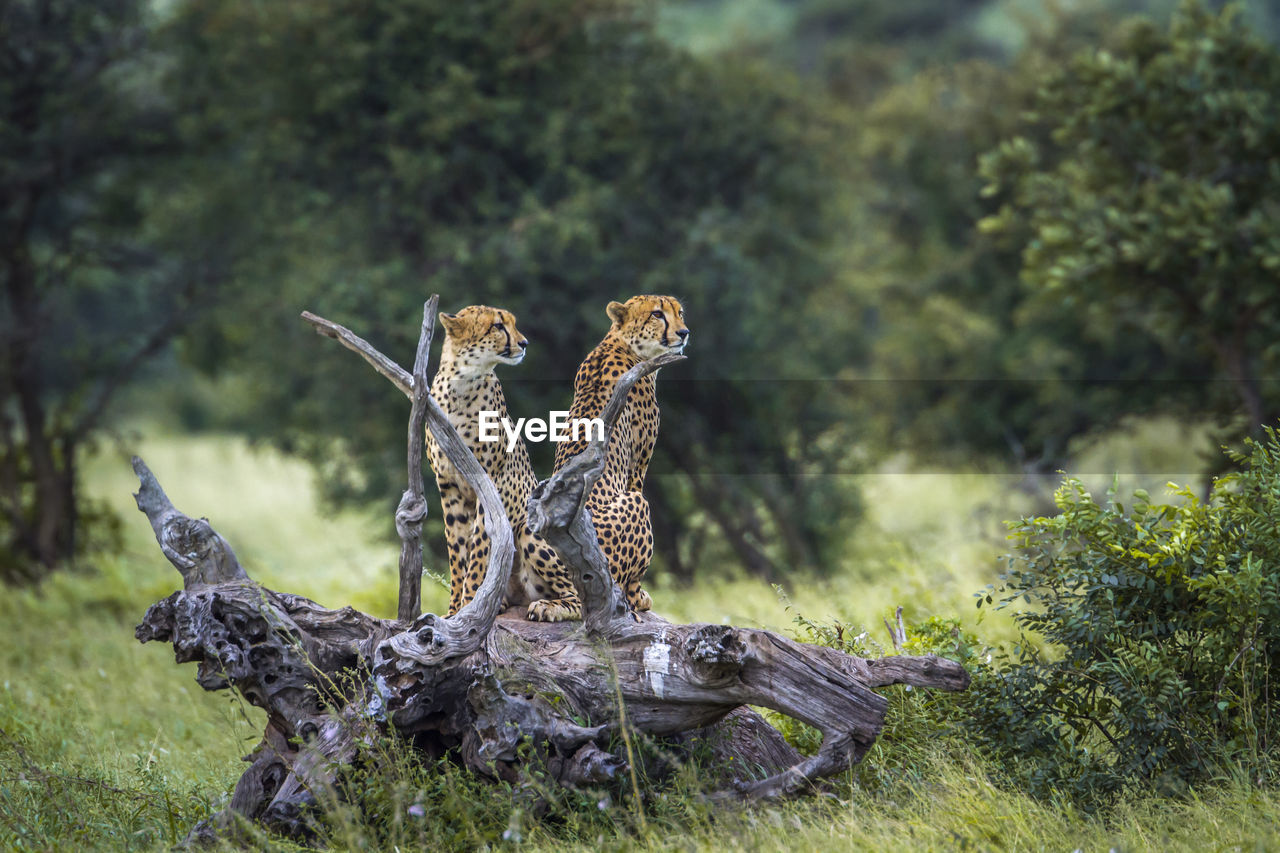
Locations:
{"points": [[43, 809], [102, 256], [1143, 194], [546, 157], [1160, 626], [964, 358], [965, 362]]}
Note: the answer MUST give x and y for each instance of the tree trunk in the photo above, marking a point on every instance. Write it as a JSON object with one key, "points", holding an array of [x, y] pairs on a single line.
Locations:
{"points": [[49, 536], [1239, 367], [478, 686], [44, 534]]}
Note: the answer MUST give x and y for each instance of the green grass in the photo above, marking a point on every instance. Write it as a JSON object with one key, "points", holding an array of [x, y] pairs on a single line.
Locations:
{"points": [[107, 744]]}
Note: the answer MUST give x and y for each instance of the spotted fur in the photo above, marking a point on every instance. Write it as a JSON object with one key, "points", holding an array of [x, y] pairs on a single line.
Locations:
{"points": [[476, 339], [642, 327]]}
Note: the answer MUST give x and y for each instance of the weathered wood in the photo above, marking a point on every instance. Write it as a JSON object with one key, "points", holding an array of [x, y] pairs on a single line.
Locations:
{"points": [[476, 686], [198, 553], [284, 653], [413, 504], [898, 631], [673, 677], [312, 670]]}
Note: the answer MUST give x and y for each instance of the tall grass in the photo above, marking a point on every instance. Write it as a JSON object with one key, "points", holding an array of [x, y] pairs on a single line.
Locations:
{"points": [[106, 744]]}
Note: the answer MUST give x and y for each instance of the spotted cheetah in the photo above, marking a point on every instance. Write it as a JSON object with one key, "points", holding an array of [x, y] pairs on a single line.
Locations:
{"points": [[476, 339], [642, 327]]}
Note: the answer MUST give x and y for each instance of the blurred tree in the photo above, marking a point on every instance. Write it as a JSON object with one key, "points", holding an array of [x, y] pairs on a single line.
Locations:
{"points": [[547, 157], [964, 366], [90, 291], [1144, 193], [966, 362]]}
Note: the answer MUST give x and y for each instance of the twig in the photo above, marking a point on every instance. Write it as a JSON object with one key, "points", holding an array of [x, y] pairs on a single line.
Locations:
{"points": [[437, 639], [899, 634]]}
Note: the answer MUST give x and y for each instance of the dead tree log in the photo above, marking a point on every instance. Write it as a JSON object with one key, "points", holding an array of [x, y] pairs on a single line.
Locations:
{"points": [[477, 685]]}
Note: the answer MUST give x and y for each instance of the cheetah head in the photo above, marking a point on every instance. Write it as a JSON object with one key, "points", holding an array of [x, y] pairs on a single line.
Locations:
{"points": [[651, 325], [480, 337]]}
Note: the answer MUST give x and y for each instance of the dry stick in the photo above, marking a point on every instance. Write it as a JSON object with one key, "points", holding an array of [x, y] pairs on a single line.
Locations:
{"points": [[399, 377], [557, 510], [441, 639], [413, 504], [899, 634]]}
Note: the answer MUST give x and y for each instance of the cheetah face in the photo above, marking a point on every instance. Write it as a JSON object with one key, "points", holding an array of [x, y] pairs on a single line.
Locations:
{"points": [[482, 336], [651, 325]]}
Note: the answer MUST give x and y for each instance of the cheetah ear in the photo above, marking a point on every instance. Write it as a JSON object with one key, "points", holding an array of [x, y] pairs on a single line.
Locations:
{"points": [[617, 313], [450, 322]]}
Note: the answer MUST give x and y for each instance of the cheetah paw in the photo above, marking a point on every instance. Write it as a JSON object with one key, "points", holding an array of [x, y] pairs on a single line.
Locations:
{"points": [[640, 601], [547, 610]]}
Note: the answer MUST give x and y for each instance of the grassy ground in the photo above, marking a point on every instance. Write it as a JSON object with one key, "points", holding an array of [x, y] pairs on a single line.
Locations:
{"points": [[106, 744]]}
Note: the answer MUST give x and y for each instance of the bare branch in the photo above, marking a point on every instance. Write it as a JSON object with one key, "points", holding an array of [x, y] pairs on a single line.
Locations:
{"points": [[437, 639], [388, 368], [898, 633], [413, 505]]}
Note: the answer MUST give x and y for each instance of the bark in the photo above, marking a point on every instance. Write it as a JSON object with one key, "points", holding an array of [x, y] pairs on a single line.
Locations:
{"points": [[50, 536], [413, 504], [478, 686], [1238, 365]]}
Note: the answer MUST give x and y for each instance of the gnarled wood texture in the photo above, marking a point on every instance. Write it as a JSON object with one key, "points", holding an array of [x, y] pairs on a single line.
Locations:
{"points": [[476, 685]]}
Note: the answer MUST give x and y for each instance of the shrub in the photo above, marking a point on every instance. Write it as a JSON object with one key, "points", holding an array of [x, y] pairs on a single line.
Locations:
{"points": [[1158, 626]]}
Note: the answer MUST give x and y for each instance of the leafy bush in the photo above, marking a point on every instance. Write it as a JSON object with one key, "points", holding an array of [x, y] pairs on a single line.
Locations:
{"points": [[1160, 626]]}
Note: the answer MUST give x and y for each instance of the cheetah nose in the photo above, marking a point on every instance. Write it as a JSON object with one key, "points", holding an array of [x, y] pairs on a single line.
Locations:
{"points": [[683, 333], [522, 343]]}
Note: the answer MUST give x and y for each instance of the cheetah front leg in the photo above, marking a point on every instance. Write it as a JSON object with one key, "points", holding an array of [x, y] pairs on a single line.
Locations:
{"points": [[477, 562], [554, 598], [457, 530], [625, 532]]}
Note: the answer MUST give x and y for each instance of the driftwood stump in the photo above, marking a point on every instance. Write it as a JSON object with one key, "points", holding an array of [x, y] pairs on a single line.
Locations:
{"points": [[477, 685]]}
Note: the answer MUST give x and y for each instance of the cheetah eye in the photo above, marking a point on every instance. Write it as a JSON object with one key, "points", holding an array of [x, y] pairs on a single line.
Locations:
{"points": [[657, 314], [498, 325]]}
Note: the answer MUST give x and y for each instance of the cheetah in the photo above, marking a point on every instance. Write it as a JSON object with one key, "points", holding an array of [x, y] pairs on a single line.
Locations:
{"points": [[642, 327], [477, 339]]}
